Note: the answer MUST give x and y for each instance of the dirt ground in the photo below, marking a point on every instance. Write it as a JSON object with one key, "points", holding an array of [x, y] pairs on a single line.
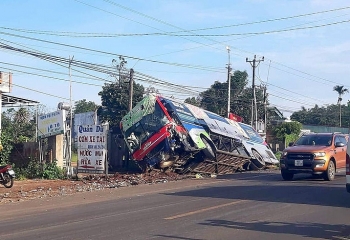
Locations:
{"points": [[24, 190]]}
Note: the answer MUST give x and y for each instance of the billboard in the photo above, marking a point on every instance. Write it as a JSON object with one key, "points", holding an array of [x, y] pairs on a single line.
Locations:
{"points": [[51, 124], [5, 82], [87, 118], [92, 148]]}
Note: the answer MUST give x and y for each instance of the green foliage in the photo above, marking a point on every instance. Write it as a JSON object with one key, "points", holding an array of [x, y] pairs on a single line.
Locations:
{"points": [[196, 101], [341, 91], [242, 105], [7, 144], [215, 98], [290, 138], [52, 171], [17, 126], [35, 170], [323, 116], [115, 101], [278, 155], [75, 156], [287, 130], [83, 106]]}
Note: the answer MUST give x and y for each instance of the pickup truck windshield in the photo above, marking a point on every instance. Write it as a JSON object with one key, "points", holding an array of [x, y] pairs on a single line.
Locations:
{"points": [[316, 140]]}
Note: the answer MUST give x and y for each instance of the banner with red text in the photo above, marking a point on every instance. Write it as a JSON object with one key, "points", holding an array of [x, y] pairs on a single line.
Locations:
{"points": [[92, 148]]}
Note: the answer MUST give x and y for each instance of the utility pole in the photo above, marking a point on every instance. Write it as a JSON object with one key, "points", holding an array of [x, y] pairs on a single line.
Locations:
{"points": [[265, 112], [131, 88], [254, 63], [122, 78], [228, 83], [339, 115], [69, 162]]}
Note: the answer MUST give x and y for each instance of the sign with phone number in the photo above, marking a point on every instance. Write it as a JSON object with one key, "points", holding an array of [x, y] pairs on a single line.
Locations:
{"points": [[51, 124]]}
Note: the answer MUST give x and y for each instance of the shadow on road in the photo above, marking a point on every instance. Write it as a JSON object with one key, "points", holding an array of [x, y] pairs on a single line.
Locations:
{"points": [[177, 237], [273, 176], [313, 230], [283, 192]]}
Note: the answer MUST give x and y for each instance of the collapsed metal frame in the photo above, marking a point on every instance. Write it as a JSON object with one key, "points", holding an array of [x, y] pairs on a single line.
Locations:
{"points": [[231, 155]]}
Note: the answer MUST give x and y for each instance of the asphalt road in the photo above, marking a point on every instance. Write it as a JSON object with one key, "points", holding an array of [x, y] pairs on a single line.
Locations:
{"points": [[238, 206]]}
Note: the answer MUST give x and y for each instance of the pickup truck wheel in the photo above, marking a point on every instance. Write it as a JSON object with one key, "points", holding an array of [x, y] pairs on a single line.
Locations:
{"points": [[287, 176], [330, 172]]}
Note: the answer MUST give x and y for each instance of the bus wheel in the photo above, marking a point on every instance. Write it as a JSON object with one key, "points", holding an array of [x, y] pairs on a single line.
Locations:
{"points": [[208, 150], [258, 160]]}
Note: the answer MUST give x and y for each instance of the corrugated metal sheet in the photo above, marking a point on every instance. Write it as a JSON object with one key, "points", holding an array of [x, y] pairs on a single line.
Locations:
{"points": [[325, 129]]}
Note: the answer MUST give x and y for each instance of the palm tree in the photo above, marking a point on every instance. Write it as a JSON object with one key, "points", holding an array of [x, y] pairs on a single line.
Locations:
{"points": [[341, 91]]}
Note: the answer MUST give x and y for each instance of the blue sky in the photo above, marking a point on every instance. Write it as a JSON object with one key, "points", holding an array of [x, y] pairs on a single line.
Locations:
{"points": [[301, 67]]}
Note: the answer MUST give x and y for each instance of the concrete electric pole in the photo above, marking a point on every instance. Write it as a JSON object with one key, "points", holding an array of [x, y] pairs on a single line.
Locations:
{"points": [[131, 88], [229, 83], [69, 162], [254, 63]]}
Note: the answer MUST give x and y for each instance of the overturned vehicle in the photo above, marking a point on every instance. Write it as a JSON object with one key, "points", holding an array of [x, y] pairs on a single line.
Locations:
{"points": [[164, 134]]}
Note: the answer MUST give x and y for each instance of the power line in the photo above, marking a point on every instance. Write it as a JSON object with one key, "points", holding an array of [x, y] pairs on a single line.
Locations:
{"points": [[176, 34], [60, 79], [85, 64], [90, 34], [144, 15], [55, 72], [204, 68], [100, 68]]}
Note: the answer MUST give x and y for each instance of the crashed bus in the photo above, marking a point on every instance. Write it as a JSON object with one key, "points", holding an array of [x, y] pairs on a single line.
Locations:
{"points": [[261, 154], [258, 151], [164, 134]]}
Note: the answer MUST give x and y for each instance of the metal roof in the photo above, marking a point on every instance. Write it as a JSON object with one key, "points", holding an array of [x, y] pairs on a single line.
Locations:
{"points": [[7, 101]]}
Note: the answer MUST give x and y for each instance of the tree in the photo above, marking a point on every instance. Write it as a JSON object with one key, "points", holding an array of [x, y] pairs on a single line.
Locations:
{"points": [[341, 91], [83, 106], [287, 131], [325, 116], [115, 101], [17, 126], [215, 98], [242, 104], [196, 101]]}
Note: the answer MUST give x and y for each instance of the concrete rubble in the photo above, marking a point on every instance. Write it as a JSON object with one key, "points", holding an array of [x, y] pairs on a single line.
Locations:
{"points": [[37, 189]]}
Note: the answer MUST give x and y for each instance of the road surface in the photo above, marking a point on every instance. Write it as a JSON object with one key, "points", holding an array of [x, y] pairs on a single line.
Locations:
{"points": [[252, 205]]}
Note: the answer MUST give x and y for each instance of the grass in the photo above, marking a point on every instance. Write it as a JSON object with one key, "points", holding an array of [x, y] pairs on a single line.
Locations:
{"points": [[74, 157]]}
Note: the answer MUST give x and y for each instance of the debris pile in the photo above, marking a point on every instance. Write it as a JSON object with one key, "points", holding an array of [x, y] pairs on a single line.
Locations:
{"points": [[36, 189]]}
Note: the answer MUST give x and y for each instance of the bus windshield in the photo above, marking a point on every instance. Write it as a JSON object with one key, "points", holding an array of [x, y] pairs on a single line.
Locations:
{"points": [[253, 135], [146, 127]]}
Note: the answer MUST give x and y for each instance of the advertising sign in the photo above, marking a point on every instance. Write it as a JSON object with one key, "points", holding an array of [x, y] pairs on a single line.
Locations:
{"points": [[92, 148], [51, 124], [5, 82], [87, 118]]}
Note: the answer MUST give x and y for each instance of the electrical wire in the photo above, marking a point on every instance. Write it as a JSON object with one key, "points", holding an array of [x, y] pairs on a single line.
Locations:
{"points": [[84, 34], [204, 68], [174, 34]]}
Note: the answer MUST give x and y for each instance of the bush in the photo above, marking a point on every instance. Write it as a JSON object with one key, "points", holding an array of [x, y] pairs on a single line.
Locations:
{"points": [[36, 169], [52, 171], [278, 155]]}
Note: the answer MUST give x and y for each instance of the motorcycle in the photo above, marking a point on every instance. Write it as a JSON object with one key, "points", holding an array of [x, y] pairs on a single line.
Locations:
{"points": [[6, 176]]}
